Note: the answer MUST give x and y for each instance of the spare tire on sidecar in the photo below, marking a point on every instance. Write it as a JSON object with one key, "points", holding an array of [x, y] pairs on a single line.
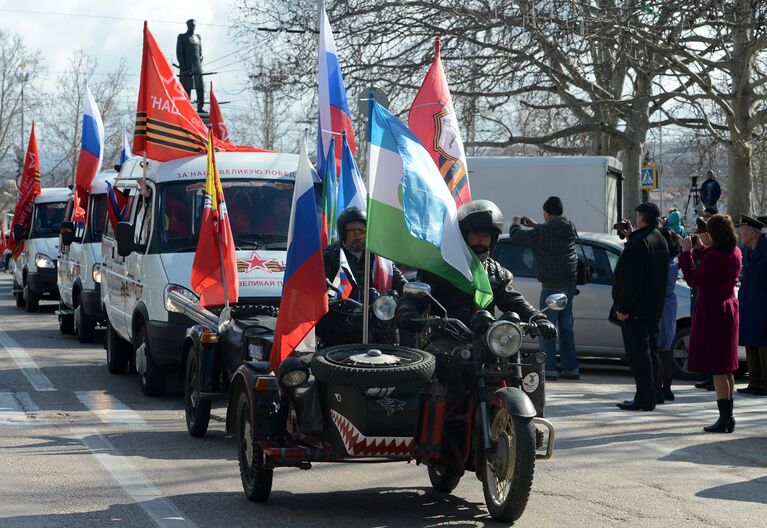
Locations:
{"points": [[373, 365]]}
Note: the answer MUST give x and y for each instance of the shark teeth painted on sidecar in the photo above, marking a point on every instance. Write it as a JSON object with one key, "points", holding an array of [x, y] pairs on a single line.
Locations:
{"points": [[357, 444]]}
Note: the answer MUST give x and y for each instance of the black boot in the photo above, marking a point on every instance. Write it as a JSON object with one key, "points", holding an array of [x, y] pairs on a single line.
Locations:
{"points": [[725, 423]]}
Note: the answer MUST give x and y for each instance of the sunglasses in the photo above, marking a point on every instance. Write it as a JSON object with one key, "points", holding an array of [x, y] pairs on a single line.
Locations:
{"points": [[356, 232]]}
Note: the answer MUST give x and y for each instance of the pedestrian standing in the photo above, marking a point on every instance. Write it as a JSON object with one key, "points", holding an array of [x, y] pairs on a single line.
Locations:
{"points": [[753, 303], [674, 222], [710, 191], [556, 263], [667, 326], [713, 344], [639, 291]]}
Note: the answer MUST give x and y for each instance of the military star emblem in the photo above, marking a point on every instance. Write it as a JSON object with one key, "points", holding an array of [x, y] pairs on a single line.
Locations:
{"points": [[172, 85], [255, 263]]}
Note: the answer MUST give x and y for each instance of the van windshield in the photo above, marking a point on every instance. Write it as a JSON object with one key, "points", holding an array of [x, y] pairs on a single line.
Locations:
{"points": [[47, 219], [97, 217], [259, 213]]}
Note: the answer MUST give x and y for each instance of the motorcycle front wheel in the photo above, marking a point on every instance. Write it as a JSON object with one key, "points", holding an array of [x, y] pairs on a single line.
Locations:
{"points": [[507, 475]]}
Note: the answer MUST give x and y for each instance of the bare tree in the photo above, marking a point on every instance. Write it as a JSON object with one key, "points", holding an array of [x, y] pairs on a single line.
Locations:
{"points": [[64, 112], [19, 69]]}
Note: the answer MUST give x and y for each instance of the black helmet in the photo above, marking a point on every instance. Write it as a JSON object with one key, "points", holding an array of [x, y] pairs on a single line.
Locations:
{"points": [[352, 214], [480, 215]]}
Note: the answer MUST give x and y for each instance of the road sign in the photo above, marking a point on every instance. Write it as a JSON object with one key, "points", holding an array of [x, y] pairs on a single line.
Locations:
{"points": [[649, 178]]}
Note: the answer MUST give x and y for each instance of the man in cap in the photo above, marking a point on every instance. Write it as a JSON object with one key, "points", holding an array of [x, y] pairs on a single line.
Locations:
{"points": [[553, 245], [752, 298], [639, 291]]}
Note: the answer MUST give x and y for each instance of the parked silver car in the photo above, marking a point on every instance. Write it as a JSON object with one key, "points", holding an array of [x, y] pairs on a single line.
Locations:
{"points": [[594, 335]]}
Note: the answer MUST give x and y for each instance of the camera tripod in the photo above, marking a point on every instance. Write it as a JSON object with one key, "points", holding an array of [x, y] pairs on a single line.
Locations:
{"points": [[694, 196]]}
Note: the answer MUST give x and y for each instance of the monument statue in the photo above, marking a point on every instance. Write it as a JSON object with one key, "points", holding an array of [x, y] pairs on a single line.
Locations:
{"points": [[189, 55]]}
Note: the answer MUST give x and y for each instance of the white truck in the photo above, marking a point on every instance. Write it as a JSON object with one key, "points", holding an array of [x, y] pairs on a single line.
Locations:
{"points": [[149, 254], [79, 264], [590, 187], [34, 269]]}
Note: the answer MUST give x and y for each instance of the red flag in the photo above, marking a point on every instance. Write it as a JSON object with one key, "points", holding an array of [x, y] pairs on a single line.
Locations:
{"points": [[2, 239], [167, 126], [433, 121], [217, 124], [215, 245], [28, 189]]}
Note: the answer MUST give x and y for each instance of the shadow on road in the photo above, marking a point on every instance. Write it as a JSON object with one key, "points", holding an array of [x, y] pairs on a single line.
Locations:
{"points": [[740, 452], [383, 507], [747, 491]]}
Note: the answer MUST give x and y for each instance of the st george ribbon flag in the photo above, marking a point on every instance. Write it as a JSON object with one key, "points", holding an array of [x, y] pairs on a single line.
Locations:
{"points": [[304, 290], [214, 270], [217, 125], [329, 197], [433, 121], [28, 189], [412, 217], [167, 126], [91, 154], [335, 116]]}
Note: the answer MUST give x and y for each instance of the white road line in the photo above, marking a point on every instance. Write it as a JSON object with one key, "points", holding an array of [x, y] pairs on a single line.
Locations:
{"points": [[162, 511], [110, 410], [11, 410], [26, 364]]}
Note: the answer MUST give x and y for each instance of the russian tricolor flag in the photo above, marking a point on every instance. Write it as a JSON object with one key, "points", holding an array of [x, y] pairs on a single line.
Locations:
{"points": [[334, 108], [91, 153], [304, 290]]}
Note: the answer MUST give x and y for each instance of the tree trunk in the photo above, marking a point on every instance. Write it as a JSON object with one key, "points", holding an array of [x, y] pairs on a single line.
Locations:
{"points": [[739, 185]]}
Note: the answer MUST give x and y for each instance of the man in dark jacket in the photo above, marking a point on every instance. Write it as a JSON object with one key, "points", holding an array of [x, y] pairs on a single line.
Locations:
{"points": [[556, 264], [753, 298], [710, 191], [481, 223], [352, 231], [639, 290]]}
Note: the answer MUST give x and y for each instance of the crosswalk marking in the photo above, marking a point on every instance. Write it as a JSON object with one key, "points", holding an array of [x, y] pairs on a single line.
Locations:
{"points": [[26, 364], [11, 410], [110, 410]]}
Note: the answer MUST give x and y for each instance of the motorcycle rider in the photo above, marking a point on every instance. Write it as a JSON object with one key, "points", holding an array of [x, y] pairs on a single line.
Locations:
{"points": [[336, 327], [481, 223], [352, 231]]}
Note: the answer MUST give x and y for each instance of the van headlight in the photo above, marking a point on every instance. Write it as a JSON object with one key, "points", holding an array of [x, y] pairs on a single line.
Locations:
{"points": [[96, 273], [503, 338], [170, 304], [44, 261], [384, 307]]}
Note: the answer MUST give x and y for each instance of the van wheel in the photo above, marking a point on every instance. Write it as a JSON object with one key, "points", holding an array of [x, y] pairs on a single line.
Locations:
{"points": [[118, 351], [152, 375], [84, 325], [66, 320], [31, 299], [19, 295]]}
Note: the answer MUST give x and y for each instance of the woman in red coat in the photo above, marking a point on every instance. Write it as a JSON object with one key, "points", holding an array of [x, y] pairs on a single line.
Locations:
{"points": [[714, 334]]}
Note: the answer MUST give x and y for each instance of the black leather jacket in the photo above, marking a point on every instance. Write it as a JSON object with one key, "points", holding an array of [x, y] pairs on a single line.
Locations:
{"points": [[331, 257], [460, 304]]}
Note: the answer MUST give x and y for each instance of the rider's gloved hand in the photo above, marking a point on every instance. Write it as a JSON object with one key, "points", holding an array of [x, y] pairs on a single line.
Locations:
{"points": [[546, 329]]}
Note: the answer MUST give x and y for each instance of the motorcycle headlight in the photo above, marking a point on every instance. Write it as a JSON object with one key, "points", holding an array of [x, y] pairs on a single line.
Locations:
{"points": [[170, 305], [44, 261], [384, 307], [96, 273], [503, 338]]}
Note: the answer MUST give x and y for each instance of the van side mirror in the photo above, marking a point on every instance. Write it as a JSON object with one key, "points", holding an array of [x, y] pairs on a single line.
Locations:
{"points": [[18, 232], [124, 238], [67, 231]]}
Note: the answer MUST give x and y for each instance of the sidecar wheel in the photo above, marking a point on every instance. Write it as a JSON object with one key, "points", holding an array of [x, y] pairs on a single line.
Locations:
{"points": [[256, 481], [507, 477], [442, 480], [197, 410]]}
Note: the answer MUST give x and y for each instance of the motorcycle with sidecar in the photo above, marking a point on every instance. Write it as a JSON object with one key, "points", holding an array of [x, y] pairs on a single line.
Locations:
{"points": [[468, 400], [216, 346]]}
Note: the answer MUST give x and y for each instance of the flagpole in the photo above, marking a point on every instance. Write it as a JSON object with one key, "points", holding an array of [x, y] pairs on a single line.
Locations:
{"points": [[221, 261], [366, 280]]}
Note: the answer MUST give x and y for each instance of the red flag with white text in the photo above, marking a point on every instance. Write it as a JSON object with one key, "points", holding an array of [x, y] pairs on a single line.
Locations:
{"points": [[28, 189]]}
